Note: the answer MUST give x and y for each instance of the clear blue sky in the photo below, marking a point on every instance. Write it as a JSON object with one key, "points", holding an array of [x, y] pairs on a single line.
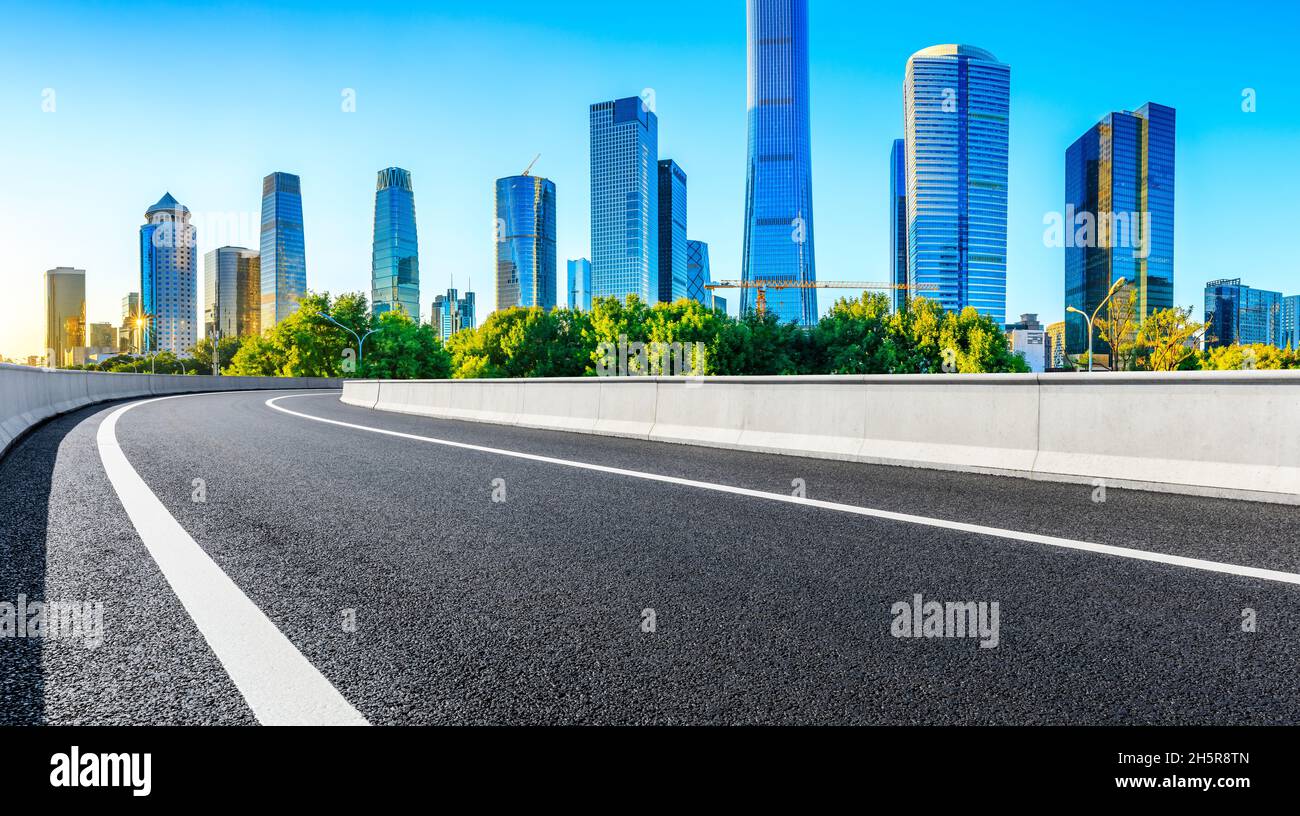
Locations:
{"points": [[202, 101]]}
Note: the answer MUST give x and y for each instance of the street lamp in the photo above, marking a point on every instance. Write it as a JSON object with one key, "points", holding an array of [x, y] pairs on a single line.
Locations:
{"points": [[1114, 287], [361, 339]]}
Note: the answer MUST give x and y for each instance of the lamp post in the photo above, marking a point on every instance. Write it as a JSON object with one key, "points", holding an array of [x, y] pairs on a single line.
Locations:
{"points": [[1114, 287], [361, 339]]}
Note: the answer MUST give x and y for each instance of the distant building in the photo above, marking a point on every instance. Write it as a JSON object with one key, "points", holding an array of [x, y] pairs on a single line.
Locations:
{"points": [[525, 242], [283, 248], [898, 223], [65, 315], [1056, 357], [232, 292], [624, 200], [395, 259], [580, 284], [101, 337], [452, 313], [1027, 321], [169, 278], [1291, 322], [697, 272], [672, 232], [1030, 344], [128, 334], [720, 304], [1238, 314]]}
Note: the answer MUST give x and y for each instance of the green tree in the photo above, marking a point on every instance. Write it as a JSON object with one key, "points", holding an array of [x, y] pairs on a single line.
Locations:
{"points": [[227, 348], [404, 350]]}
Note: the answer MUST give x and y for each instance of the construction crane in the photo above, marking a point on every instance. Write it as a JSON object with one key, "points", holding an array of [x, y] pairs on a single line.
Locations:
{"points": [[760, 304], [529, 168]]}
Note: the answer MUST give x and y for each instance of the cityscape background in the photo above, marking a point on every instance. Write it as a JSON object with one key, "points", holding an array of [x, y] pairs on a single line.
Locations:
{"points": [[204, 103]]}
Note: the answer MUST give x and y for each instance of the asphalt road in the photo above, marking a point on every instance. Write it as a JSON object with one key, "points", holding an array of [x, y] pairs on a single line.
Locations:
{"points": [[533, 608]]}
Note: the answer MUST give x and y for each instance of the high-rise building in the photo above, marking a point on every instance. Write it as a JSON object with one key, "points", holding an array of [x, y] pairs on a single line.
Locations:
{"points": [[283, 249], [580, 284], [65, 315], [128, 335], [957, 102], [232, 290], [778, 185], [720, 304], [624, 200], [1238, 314], [697, 272], [169, 278], [1291, 322], [898, 223], [672, 232], [1119, 217], [452, 313], [525, 242], [1056, 357], [395, 261]]}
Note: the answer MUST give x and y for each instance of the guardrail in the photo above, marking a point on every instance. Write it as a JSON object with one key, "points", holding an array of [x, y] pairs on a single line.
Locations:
{"points": [[1215, 433], [29, 396]]}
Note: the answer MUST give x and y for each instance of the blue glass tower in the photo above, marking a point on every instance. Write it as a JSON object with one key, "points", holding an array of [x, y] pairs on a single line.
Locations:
{"points": [[525, 238], [956, 105], [580, 285], [1238, 314], [1291, 322], [1119, 216], [697, 271], [778, 185], [169, 278], [672, 232], [898, 222], [624, 200], [283, 250], [395, 260]]}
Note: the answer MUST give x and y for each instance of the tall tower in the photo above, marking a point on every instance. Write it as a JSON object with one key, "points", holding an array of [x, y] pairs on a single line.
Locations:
{"points": [[395, 261], [624, 200], [284, 252], [65, 315], [778, 186], [898, 222], [232, 285], [525, 242], [672, 232], [957, 103], [168, 278]]}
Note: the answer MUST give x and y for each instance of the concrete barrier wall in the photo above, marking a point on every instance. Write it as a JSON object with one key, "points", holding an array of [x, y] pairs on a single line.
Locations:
{"points": [[1219, 433], [31, 395]]}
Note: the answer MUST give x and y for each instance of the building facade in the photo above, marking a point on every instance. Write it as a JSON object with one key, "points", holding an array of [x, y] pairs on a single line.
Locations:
{"points": [[168, 278], [1056, 357], [65, 315], [580, 284], [525, 242], [898, 223], [1119, 216], [624, 200], [778, 184], [1031, 345], [1291, 322], [1237, 314], [672, 232], [283, 248], [232, 293], [395, 259], [698, 275], [451, 313], [128, 335], [957, 103]]}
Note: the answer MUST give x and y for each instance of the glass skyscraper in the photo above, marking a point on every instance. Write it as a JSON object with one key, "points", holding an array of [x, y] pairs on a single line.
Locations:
{"points": [[778, 185], [672, 232], [956, 105], [1238, 314], [580, 285], [451, 313], [65, 315], [1119, 216], [168, 278], [898, 222], [284, 252], [1291, 322], [697, 272], [395, 260], [525, 249], [624, 200], [232, 287]]}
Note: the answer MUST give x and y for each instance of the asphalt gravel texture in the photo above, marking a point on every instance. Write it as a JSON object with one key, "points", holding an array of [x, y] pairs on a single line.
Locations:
{"points": [[530, 610]]}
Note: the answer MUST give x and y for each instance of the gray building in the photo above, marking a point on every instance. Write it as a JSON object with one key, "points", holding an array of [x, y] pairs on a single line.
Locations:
{"points": [[232, 290]]}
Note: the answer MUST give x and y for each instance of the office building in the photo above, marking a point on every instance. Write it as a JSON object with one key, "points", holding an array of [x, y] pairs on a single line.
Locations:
{"points": [[232, 291], [169, 278], [957, 101], [1291, 322], [452, 313], [697, 272], [672, 232], [1056, 357], [1119, 217], [128, 334], [898, 223], [1026, 321], [65, 315], [624, 200], [1031, 344], [395, 260], [1239, 315], [525, 242], [580, 284], [283, 248]]}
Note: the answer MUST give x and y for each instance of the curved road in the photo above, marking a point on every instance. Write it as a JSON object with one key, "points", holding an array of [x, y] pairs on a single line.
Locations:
{"points": [[257, 564]]}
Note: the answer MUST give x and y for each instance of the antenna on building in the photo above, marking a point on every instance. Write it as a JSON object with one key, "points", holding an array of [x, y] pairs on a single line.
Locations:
{"points": [[529, 168]]}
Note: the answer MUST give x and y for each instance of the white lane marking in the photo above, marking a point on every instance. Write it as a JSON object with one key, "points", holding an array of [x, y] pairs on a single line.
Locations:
{"points": [[977, 529], [280, 685]]}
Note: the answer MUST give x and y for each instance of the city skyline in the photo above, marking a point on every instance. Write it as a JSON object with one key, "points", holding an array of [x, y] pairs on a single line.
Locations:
{"points": [[853, 91]]}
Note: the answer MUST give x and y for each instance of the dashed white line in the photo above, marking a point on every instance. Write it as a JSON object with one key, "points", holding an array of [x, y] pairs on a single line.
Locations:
{"points": [[976, 529], [281, 686]]}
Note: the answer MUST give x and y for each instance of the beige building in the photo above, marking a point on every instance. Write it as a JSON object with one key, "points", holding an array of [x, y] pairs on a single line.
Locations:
{"points": [[65, 315]]}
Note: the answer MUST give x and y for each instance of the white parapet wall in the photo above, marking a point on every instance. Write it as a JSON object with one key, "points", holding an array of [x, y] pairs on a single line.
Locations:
{"points": [[1216, 433], [29, 396]]}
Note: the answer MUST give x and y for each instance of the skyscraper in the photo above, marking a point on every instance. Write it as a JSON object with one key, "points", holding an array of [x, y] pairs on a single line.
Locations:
{"points": [[128, 336], [898, 222], [452, 313], [778, 185], [232, 287], [65, 314], [697, 271], [284, 252], [956, 103], [672, 232], [1291, 322], [168, 278], [580, 285], [624, 200], [1238, 314], [395, 261], [1119, 216], [525, 247]]}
